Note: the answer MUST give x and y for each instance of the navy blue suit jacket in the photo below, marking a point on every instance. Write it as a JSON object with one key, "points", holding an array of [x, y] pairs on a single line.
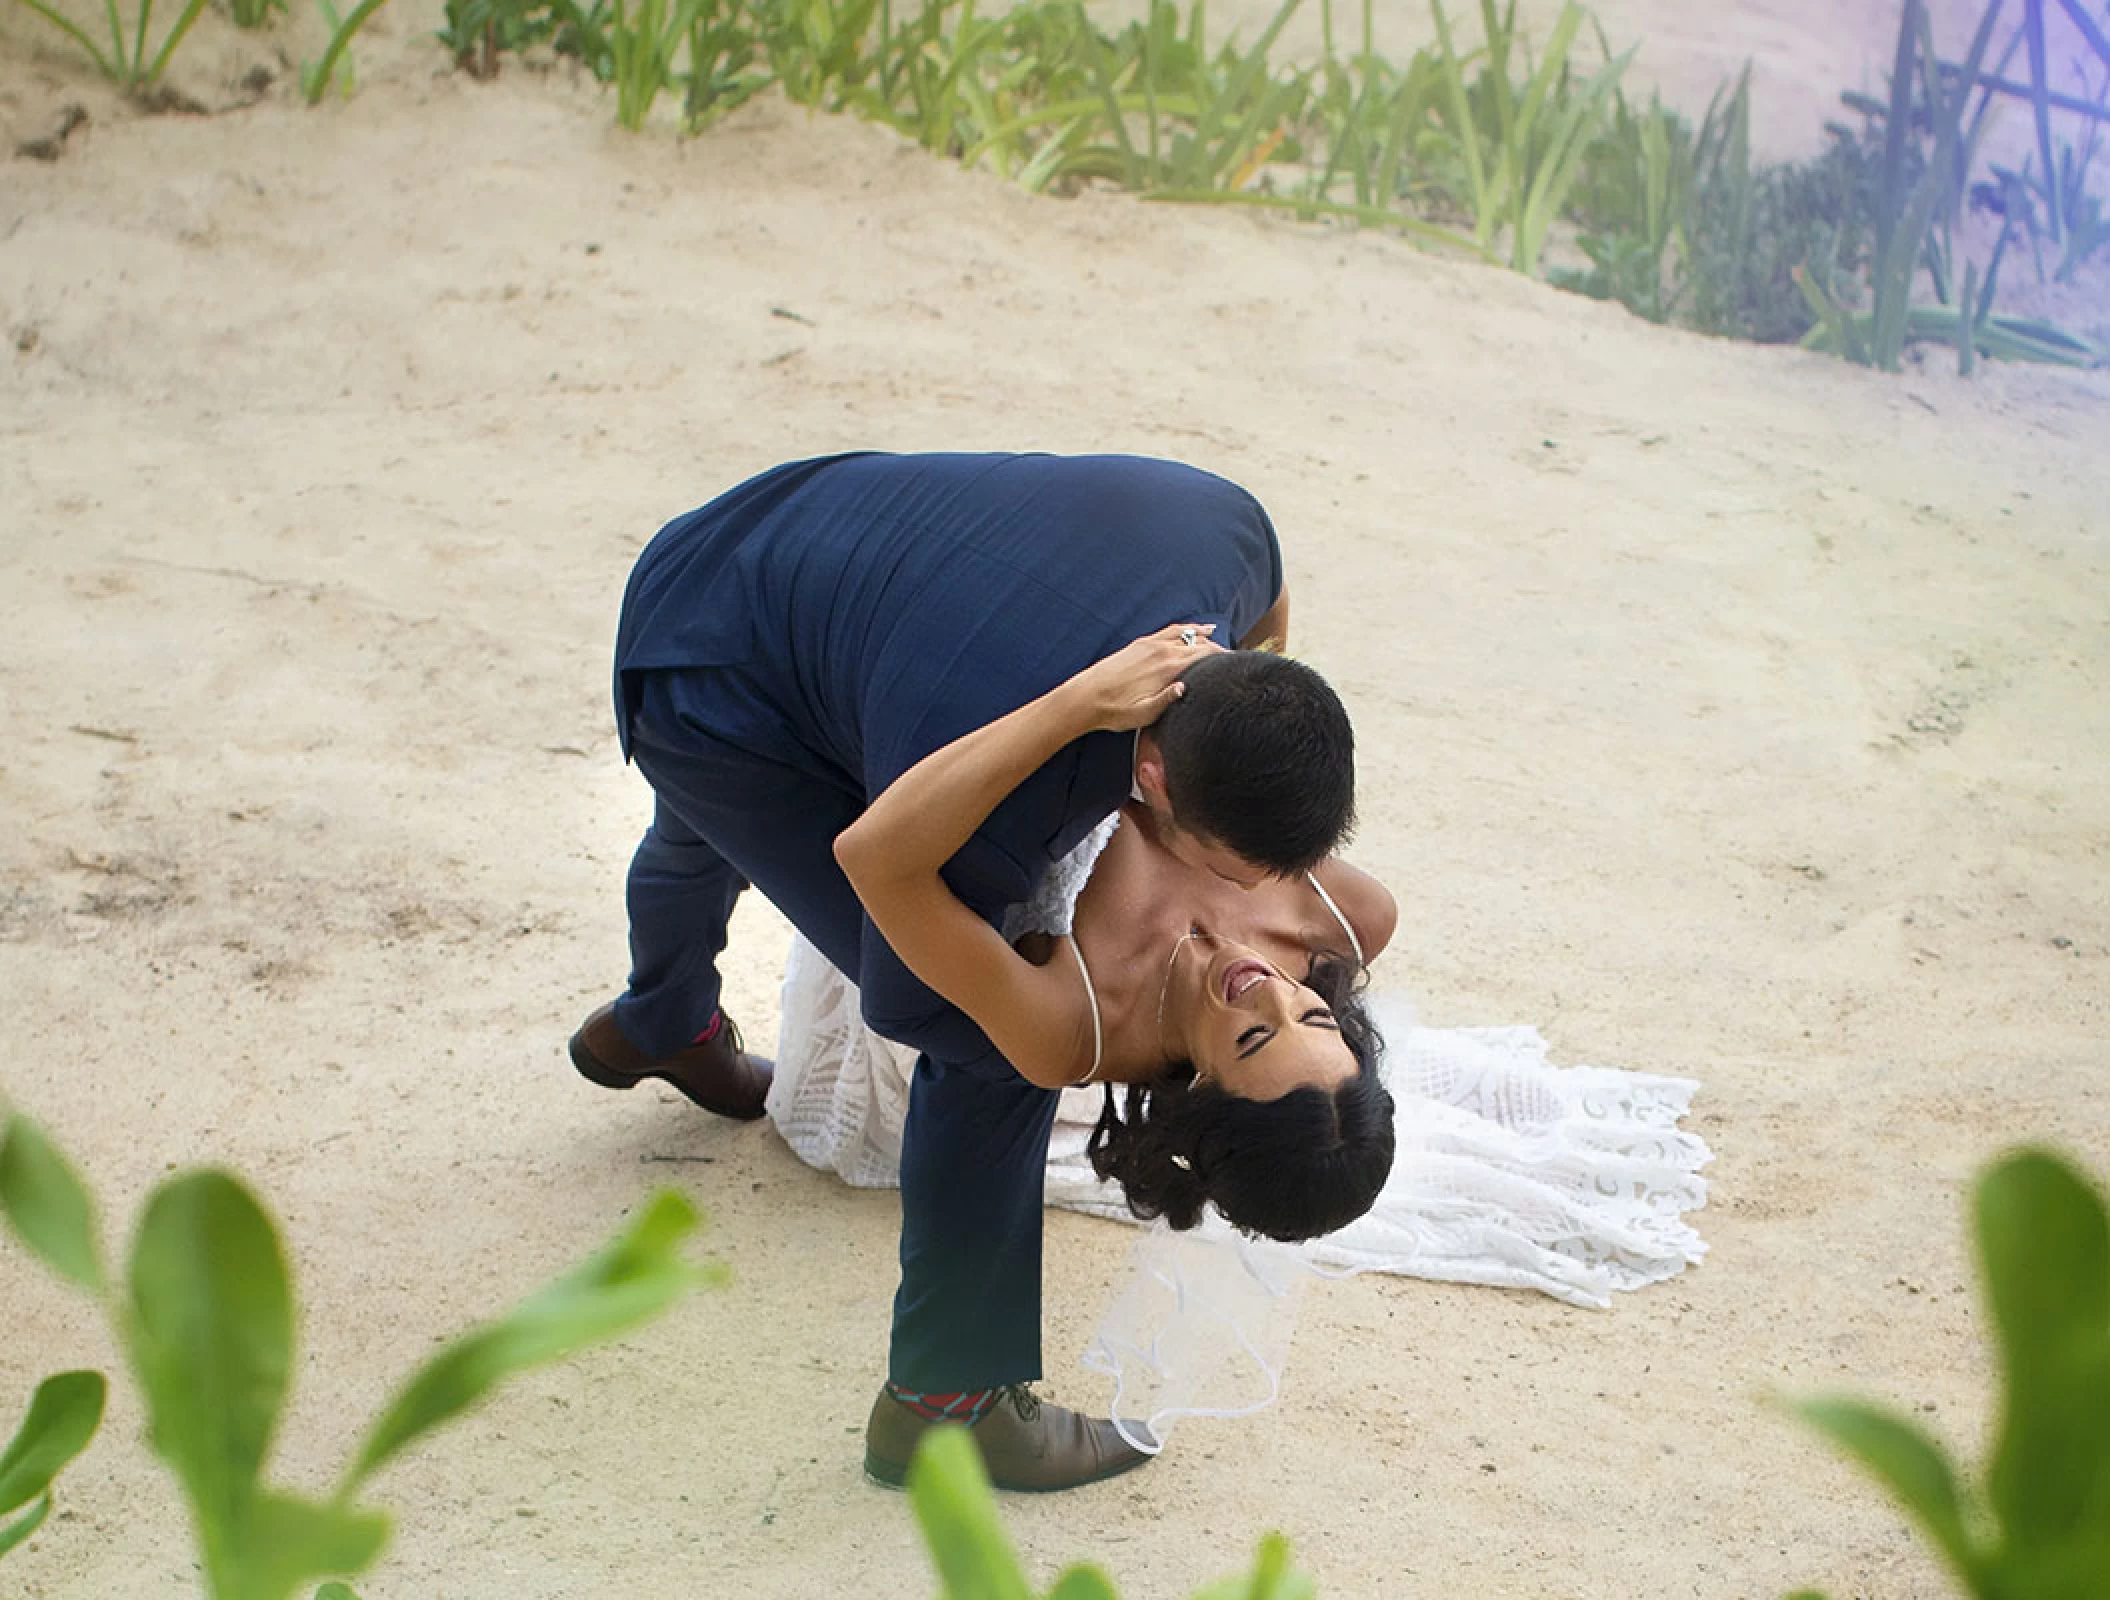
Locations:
{"points": [[857, 612]]}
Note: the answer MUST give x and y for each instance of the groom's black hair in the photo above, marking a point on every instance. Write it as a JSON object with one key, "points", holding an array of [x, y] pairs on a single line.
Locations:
{"points": [[1259, 758]]}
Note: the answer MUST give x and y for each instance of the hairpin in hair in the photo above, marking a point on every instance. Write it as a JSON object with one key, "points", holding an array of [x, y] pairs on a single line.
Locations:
{"points": [[1183, 1163]]}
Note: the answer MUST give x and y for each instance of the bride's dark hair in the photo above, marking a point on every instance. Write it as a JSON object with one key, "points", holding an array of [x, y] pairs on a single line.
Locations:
{"points": [[1292, 1168]]}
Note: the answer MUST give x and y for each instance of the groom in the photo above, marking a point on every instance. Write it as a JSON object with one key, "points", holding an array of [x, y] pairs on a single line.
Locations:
{"points": [[784, 653]]}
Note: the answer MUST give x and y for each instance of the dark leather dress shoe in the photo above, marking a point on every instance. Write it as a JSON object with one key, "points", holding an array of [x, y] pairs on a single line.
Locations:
{"points": [[717, 1074], [1026, 1446]]}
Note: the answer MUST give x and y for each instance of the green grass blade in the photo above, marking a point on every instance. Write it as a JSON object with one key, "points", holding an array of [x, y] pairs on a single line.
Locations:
{"points": [[1102, 76], [103, 64], [190, 15], [1557, 173], [1525, 121], [119, 66], [2089, 31], [1966, 331], [1897, 124], [1501, 33], [1912, 214], [318, 83], [1466, 134], [1212, 153], [2040, 87], [1834, 329]]}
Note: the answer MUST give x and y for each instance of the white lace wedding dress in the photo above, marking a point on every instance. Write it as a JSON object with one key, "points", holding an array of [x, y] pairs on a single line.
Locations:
{"points": [[1511, 1171]]}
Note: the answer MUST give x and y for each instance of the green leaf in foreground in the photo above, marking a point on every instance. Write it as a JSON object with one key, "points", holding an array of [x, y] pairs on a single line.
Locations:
{"points": [[2045, 1244], [1272, 1577], [949, 1490], [1083, 1583], [48, 1205], [13, 1533], [63, 1416], [284, 1541], [632, 1279], [211, 1335], [1907, 1463]]}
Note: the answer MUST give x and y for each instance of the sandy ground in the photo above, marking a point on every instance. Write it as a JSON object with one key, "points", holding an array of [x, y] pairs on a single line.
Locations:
{"points": [[1724, 711]]}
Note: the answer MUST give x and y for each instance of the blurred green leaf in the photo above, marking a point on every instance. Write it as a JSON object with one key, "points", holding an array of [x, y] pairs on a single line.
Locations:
{"points": [[632, 1279], [1272, 1577], [1082, 1583], [13, 1533], [48, 1205], [63, 1416], [2045, 1244], [1908, 1463], [335, 1591], [949, 1490], [283, 1541], [211, 1336]]}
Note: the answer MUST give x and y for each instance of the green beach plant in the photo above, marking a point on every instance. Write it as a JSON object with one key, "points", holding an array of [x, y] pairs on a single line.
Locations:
{"points": [[2036, 1524], [643, 39], [956, 1511], [2063, 189], [63, 1416], [205, 1316], [1906, 203], [1522, 152], [336, 64], [126, 62], [254, 13]]}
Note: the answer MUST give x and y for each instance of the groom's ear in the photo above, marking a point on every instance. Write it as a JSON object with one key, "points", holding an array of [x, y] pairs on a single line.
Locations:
{"points": [[1150, 773]]}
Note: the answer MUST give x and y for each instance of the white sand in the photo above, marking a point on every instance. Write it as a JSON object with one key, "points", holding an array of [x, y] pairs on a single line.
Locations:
{"points": [[1724, 711]]}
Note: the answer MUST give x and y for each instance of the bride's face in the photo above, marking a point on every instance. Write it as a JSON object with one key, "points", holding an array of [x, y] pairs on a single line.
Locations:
{"points": [[1251, 1029]]}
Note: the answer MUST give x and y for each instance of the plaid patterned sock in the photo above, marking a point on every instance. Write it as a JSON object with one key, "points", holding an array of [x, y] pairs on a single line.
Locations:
{"points": [[957, 1405]]}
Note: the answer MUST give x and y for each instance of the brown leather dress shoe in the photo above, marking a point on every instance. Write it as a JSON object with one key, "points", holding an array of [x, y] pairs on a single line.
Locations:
{"points": [[1026, 1446], [717, 1074]]}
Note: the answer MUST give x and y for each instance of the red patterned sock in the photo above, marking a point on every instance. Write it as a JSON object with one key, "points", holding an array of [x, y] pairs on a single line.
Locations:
{"points": [[956, 1405]]}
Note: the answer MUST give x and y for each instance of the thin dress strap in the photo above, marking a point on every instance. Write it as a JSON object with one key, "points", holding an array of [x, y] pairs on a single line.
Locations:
{"points": [[1092, 995], [1347, 927]]}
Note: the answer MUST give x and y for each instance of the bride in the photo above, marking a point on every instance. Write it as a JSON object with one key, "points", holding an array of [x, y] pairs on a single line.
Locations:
{"points": [[1224, 1017], [1220, 1002]]}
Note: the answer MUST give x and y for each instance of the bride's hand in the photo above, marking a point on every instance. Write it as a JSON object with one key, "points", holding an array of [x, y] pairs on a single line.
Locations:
{"points": [[1132, 687]]}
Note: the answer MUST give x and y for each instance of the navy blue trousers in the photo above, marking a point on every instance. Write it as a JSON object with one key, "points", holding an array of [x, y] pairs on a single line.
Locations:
{"points": [[974, 1151]]}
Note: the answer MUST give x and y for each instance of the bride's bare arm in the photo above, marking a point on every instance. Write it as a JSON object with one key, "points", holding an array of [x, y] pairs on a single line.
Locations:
{"points": [[892, 854]]}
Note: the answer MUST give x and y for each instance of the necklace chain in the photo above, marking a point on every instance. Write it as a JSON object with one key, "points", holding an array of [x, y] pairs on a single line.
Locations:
{"points": [[1165, 988]]}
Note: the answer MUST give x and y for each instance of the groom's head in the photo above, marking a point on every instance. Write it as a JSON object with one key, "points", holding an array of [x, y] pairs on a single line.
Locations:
{"points": [[1254, 762]]}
